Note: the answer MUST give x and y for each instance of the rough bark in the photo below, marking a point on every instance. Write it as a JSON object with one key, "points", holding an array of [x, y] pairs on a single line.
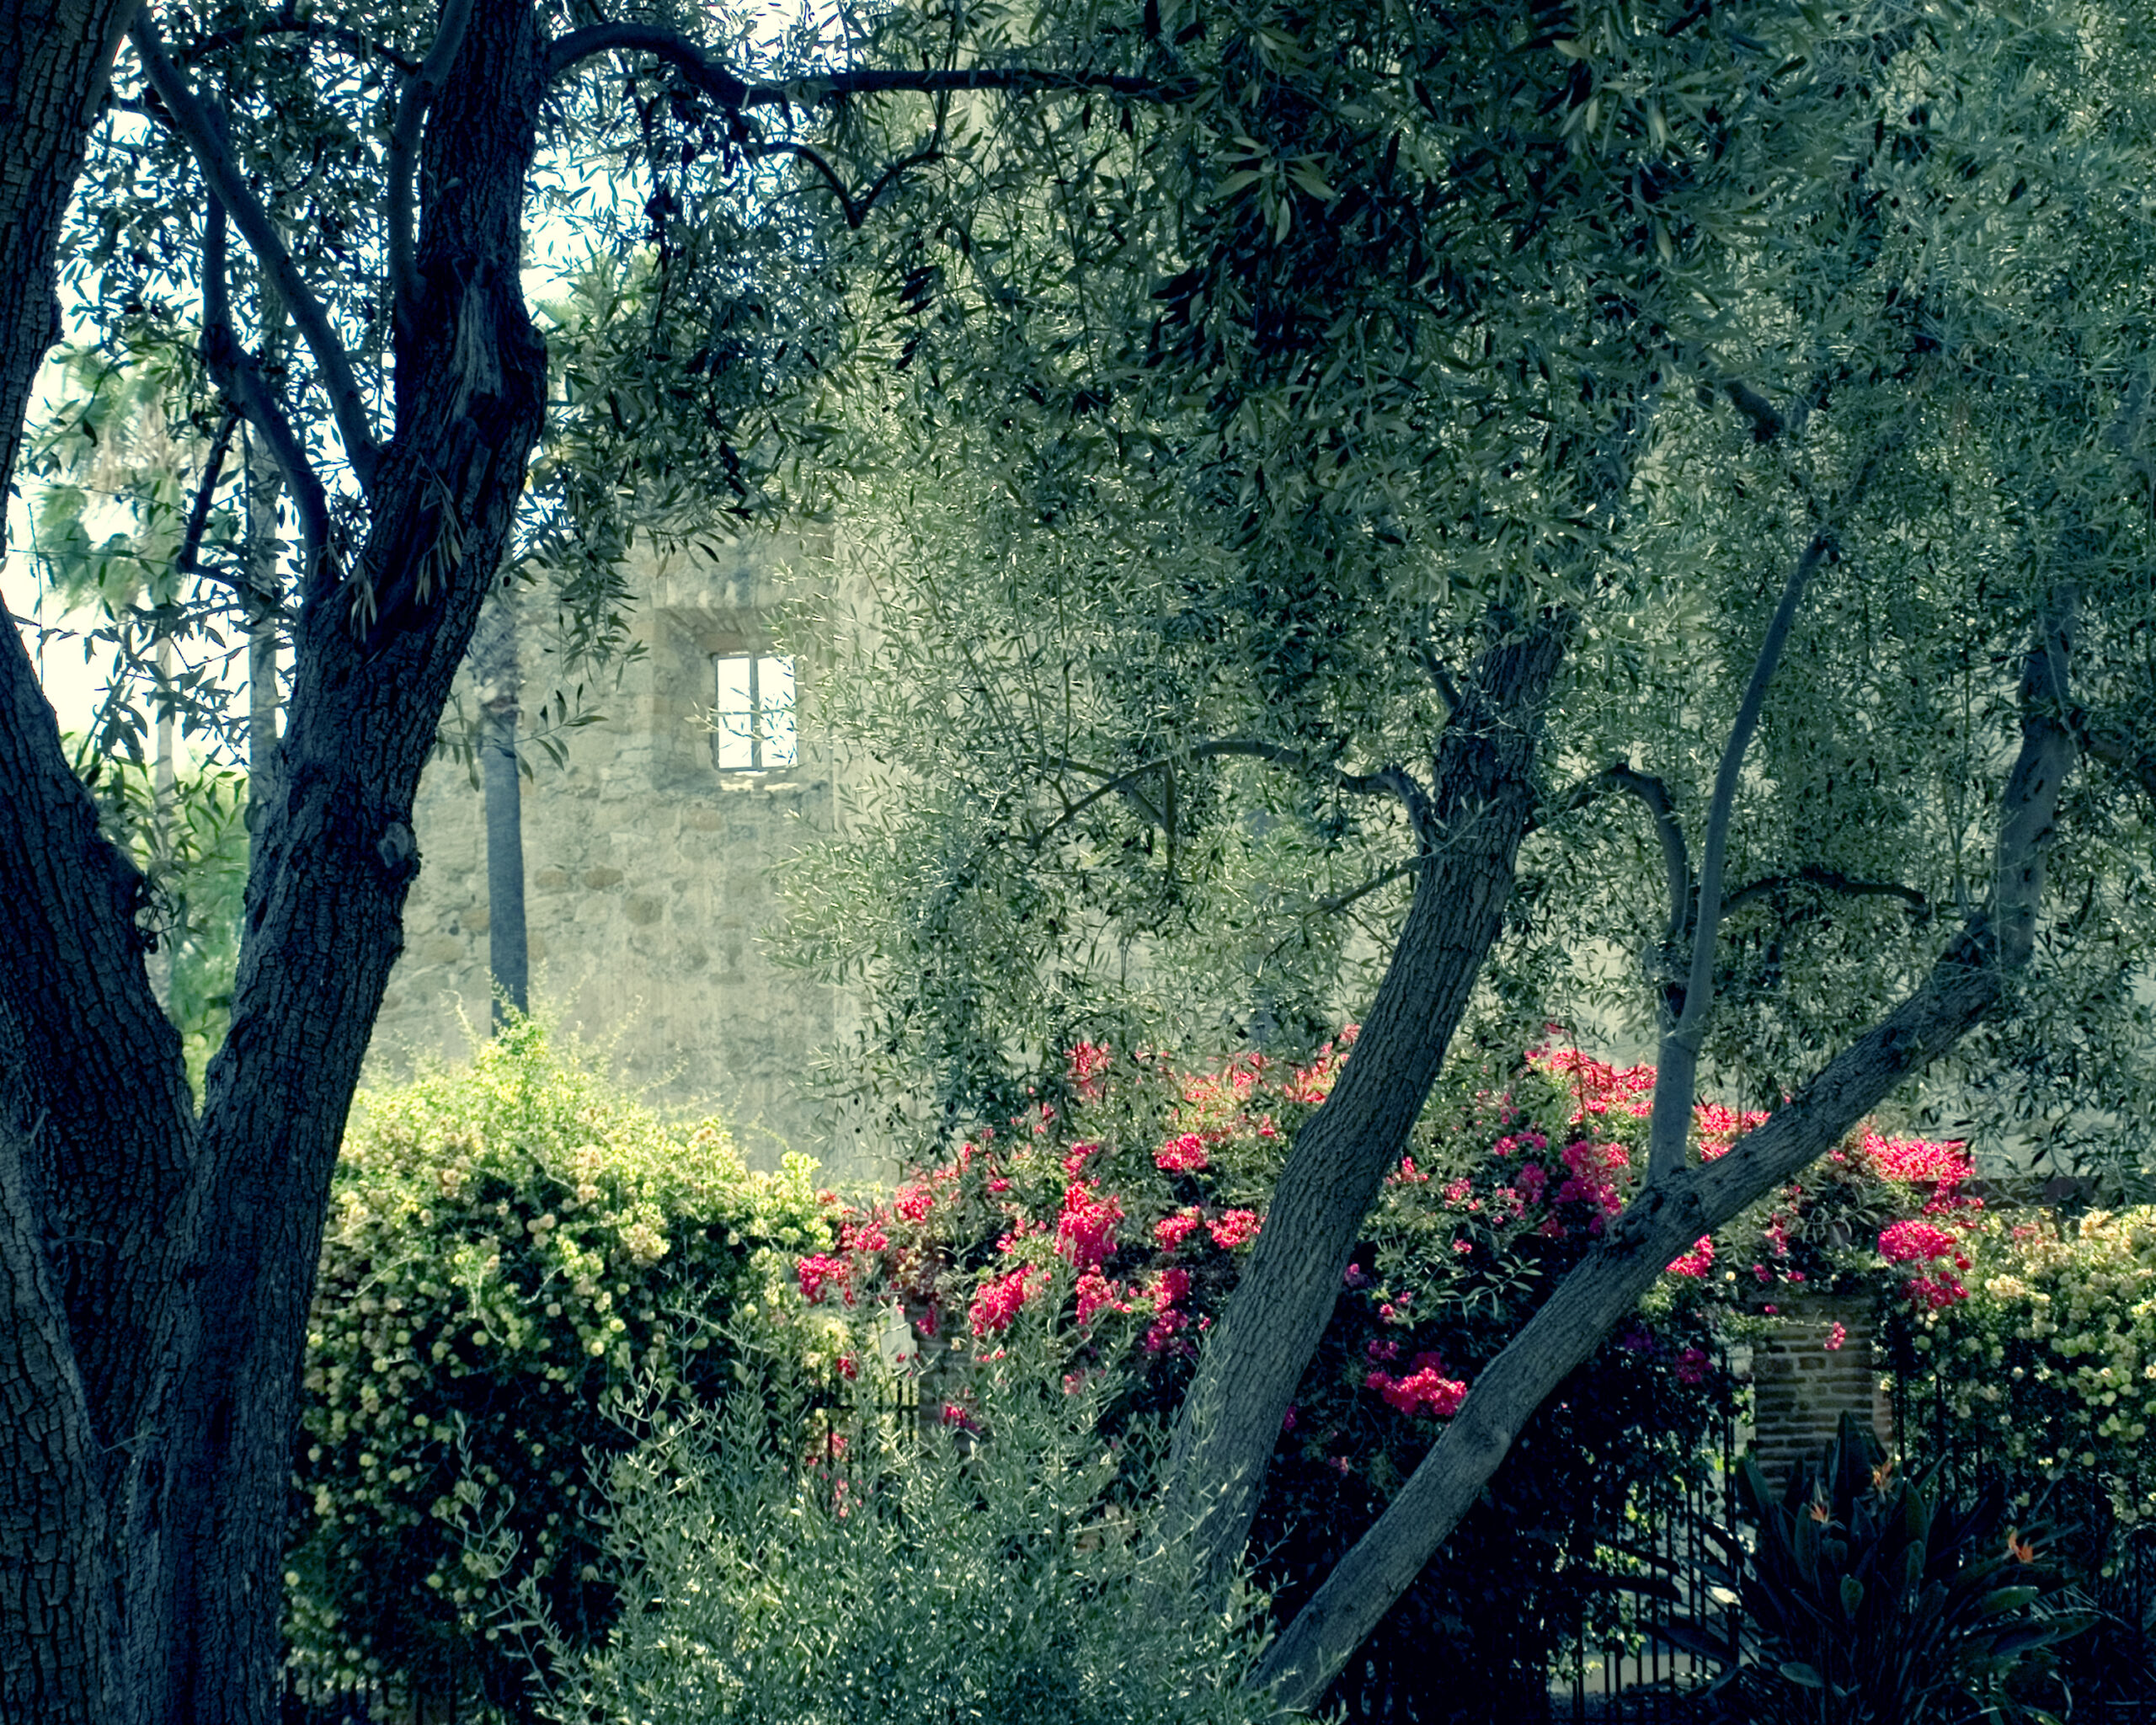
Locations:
{"points": [[334, 855], [1968, 982], [156, 1271], [1483, 796]]}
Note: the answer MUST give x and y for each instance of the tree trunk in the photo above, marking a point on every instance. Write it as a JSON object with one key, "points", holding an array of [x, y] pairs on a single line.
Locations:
{"points": [[265, 555], [93, 1104], [155, 1272], [494, 661], [1968, 982], [1230, 1422]]}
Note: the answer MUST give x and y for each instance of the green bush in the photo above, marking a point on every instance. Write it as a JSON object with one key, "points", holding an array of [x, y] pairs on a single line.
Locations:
{"points": [[507, 1248], [996, 1568]]}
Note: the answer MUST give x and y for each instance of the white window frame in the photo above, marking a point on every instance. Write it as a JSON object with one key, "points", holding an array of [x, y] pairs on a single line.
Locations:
{"points": [[773, 742]]}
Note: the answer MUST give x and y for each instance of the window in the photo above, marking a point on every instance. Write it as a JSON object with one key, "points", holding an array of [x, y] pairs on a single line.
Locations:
{"points": [[753, 717]]}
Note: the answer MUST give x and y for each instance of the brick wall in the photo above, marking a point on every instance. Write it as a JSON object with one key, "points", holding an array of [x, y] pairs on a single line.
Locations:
{"points": [[1800, 1386]]}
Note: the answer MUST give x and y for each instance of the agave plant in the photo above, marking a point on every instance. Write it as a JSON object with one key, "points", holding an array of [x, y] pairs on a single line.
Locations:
{"points": [[1865, 1600]]}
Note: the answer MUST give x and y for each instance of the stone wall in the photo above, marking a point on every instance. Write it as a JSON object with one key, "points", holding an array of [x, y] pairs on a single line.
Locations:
{"points": [[649, 883]]}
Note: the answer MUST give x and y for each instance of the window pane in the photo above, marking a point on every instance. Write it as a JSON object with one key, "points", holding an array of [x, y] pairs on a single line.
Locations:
{"points": [[775, 694], [733, 742]]}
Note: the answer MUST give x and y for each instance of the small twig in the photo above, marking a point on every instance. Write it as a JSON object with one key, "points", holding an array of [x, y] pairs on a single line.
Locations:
{"points": [[358, 47]]}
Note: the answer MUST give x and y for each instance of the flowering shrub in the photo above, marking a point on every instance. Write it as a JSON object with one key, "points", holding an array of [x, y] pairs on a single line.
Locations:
{"points": [[1116, 1221], [2046, 1362], [506, 1248]]}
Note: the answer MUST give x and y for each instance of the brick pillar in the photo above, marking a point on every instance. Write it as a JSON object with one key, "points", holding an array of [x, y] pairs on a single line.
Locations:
{"points": [[1800, 1387]]}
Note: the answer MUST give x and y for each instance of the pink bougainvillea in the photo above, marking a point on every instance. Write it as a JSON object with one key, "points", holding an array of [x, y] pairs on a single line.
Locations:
{"points": [[999, 1300], [1697, 1260], [1085, 1233], [1913, 1241], [1172, 1230], [819, 1272], [1426, 1389], [1183, 1154], [1234, 1228]]}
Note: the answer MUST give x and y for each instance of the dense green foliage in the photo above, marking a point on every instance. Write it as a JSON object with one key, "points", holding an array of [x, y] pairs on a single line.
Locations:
{"points": [[1557, 316], [507, 1248], [889, 1575]]}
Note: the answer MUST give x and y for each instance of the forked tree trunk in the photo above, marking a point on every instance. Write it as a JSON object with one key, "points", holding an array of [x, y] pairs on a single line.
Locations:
{"points": [[155, 1270]]}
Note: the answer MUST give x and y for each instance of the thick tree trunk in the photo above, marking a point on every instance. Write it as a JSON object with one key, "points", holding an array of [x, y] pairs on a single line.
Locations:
{"points": [[94, 1127], [155, 1272], [335, 856], [1485, 793], [1967, 983]]}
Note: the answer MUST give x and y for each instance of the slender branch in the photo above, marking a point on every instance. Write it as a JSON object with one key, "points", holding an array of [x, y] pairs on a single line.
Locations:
{"points": [[198, 515], [202, 136], [412, 102], [241, 380], [354, 45], [855, 213], [1341, 901], [1828, 880], [730, 92], [1680, 1048], [1390, 781], [1677, 865]]}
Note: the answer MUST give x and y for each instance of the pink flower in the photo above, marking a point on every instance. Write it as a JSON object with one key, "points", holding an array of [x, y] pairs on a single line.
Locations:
{"points": [[999, 1300], [1594, 1169], [1354, 1276], [1457, 1191], [819, 1271], [1171, 1231], [1088, 1060], [1096, 1291], [954, 1415], [1463, 1247], [1288, 1421], [1424, 1391], [1381, 1351], [1908, 1242], [1697, 1260], [1185, 1155], [1085, 1233], [1234, 1228], [1835, 1337], [1692, 1364]]}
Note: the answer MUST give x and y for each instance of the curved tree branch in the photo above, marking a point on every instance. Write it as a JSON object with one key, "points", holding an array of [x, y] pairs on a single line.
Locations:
{"points": [[412, 105], [348, 41], [202, 135], [856, 212], [1680, 1048], [1827, 880], [241, 381], [1676, 861], [1388, 781]]}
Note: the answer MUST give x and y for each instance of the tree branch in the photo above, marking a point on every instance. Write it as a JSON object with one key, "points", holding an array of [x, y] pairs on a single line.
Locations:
{"points": [[198, 515], [354, 45], [1676, 861], [202, 135], [1828, 880], [241, 381], [412, 105], [855, 213], [730, 92], [1390, 781], [1967, 983], [1680, 1048]]}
